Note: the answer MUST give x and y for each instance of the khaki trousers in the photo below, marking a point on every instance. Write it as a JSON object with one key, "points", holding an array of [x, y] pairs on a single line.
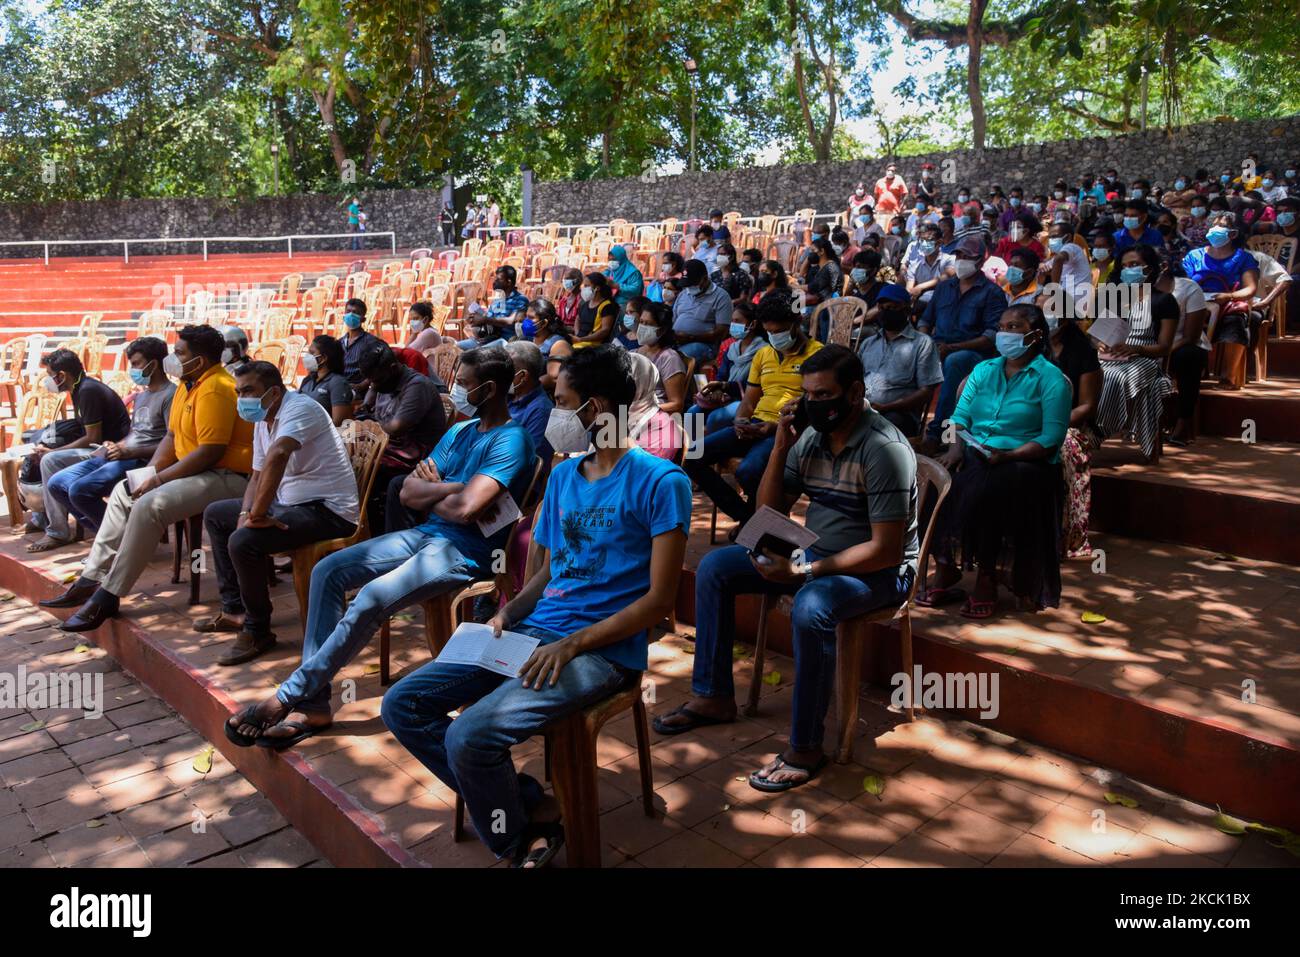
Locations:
{"points": [[129, 535]]}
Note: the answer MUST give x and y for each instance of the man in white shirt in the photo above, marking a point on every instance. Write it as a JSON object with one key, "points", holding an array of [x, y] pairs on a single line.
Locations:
{"points": [[302, 490]]}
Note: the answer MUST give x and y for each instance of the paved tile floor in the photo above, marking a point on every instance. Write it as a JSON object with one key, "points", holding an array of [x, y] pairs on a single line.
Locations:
{"points": [[122, 789]]}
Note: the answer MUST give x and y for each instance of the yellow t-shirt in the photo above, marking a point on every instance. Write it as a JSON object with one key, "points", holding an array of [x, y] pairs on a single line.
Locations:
{"points": [[779, 377], [204, 414]]}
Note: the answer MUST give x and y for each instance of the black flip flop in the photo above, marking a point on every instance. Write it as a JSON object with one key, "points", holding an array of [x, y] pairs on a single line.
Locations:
{"points": [[553, 832], [304, 730], [697, 721], [771, 787], [243, 717], [938, 597]]}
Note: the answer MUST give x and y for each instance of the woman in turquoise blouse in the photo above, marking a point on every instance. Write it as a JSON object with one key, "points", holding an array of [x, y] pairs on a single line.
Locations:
{"points": [[1005, 449], [625, 276]]}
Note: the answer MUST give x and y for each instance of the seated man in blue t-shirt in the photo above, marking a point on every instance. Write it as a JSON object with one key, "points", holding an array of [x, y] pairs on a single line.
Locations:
{"points": [[612, 535], [472, 464]]}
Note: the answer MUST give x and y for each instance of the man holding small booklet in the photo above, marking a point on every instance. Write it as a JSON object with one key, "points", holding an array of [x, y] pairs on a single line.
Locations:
{"points": [[472, 466], [859, 553], [612, 537]]}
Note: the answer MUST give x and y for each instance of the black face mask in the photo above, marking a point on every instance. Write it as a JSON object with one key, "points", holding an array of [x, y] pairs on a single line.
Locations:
{"points": [[893, 320], [826, 415]]}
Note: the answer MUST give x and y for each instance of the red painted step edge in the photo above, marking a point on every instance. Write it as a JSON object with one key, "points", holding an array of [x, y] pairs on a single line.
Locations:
{"points": [[1249, 775], [326, 816]]}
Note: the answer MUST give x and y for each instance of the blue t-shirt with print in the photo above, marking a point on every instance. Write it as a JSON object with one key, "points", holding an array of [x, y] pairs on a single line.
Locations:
{"points": [[505, 454], [598, 534]]}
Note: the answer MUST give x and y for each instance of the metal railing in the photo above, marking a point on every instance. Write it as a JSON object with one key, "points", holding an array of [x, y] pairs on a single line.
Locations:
{"points": [[482, 232], [126, 244]]}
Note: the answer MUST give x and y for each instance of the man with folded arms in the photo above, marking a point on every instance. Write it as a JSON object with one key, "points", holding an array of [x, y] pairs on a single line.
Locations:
{"points": [[859, 474], [81, 489], [460, 483], [612, 535], [105, 422], [302, 490], [206, 456]]}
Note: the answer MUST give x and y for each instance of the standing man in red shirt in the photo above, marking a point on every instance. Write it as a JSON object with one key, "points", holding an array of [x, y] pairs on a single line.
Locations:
{"points": [[890, 193]]}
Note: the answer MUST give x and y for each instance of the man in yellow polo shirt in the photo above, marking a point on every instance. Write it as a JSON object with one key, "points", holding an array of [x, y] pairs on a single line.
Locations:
{"points": [[205, 457], [774, 380]]}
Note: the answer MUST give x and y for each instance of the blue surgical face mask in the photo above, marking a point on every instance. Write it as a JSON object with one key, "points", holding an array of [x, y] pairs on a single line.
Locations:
{"points": [[1266, 183], [1036, 207], [1218, 235], [1180, 184], [926, 246], [1100, 253], [1133, 275], [781, 341], [737, 330], [1053, 323], [250, 409], [1056, 243], [920, 207], [1011, 345], [1015, 275], [352, 320], [139, 377], [1138, 193], [1015, 201], [858, 274], [1131, 222], [529, 328], [1225, 179], [1285, 219], [1198, 212], [629, 319]]}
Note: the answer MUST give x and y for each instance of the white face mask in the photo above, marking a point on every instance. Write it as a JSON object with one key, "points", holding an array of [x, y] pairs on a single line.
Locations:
{"points": [[586, 293], [309, 362], [226, 356], [965, 268], [173, 366], [417, 326], [646, 335], [724, 261], [745, 266], [460, 399], [565, 431], [49, 385]]}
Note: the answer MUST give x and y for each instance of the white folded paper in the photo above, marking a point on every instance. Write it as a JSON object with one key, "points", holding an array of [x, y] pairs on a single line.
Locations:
{"points": [[136, 477], [501, 511], [474, 644]]}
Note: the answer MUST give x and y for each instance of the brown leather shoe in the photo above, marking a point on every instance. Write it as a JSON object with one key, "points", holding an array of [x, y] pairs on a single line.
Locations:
{"points": [[246, 648]]}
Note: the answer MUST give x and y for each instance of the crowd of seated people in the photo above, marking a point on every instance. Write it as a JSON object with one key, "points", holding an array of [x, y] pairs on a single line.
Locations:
{"points": [[1007, 339]]}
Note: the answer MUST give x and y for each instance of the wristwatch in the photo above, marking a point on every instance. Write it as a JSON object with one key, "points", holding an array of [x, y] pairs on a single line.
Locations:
{"points": [[807, 569]]}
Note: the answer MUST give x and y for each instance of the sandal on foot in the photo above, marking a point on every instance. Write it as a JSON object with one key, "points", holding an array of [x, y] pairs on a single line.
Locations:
{"points": [[246, 716], [48, 543], [935, 597], [303, 729], [772, 787], [978, 610], [695, 720], [552, 832]]}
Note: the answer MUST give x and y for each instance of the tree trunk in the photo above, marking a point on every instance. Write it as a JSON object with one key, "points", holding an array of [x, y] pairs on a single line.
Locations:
{"points": [[325, 104], [974, 46]]}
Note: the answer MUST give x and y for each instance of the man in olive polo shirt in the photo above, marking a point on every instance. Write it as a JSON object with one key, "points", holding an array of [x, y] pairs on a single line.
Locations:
{"points": [[859, 474], [774, 380], [205, 457]]}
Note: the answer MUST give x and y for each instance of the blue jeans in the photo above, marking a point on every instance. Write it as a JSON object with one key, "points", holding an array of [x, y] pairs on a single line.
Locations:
{"points": [[394, 572], [82, 488], [956, 367], [720, 446], [702, 352], [818, 607], [717, 419], [471, 754]]}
